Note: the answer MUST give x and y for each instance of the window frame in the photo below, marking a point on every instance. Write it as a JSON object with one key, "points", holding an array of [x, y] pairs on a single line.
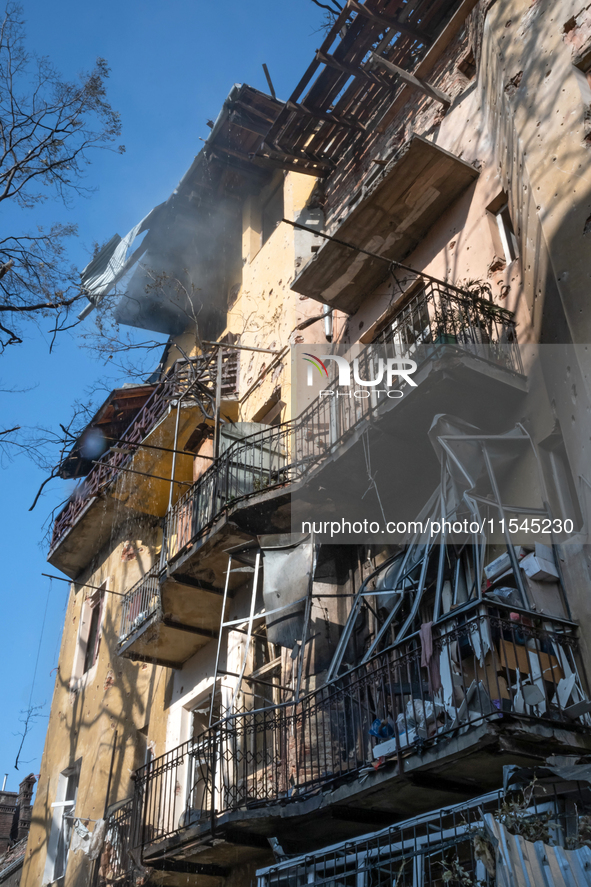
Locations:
{"points": [[89, 615]]}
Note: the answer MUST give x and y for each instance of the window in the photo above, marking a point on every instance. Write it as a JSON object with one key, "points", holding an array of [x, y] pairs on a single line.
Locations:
{"points": [[467, 64], [89, 636], [272, 212], [96, 605], [503, 233], [64, 808], [507, 234]]}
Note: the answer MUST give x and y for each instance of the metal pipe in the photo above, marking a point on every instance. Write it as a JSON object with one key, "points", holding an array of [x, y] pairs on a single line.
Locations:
{"points": [[255, 583], [508, 540], [4, 782], [85, 585], [176, 437], [217, 655], [241, 347], [218, 406], [110, 774]]}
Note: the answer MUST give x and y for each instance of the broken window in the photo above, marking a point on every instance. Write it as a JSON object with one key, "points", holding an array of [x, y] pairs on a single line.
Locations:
{"points": [[272, 212], [507, 234], [502, 230], [96, 607], [61, 829], [89, 636]]}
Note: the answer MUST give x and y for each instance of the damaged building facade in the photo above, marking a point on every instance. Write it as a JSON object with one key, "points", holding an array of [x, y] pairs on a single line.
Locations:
{"points": [[240, 696]]}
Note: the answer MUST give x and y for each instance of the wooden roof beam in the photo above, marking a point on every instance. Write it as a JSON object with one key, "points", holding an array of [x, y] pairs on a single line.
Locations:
{"points": [[351, 70], [426, 88], [276, 153], [389, 22], [318, 171], [240, 119], [336, 119]]}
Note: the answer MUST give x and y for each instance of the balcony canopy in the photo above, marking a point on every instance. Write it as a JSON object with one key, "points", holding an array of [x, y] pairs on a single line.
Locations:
{"points": [[418, 185]]}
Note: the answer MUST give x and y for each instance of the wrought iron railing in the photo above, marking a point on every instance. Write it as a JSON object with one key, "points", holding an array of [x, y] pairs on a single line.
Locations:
{"points": [[140, 603], [453, 845], [198, 373], [490, 664], [115, 864], [439, 314]]}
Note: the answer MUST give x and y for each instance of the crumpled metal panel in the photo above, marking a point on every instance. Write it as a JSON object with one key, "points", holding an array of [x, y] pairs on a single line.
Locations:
{"points": [[109, 265], [287, 566], [520, 863]]}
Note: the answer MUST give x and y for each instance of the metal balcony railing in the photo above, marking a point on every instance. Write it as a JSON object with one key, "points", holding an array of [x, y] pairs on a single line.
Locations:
{"points": [[114, 865], [493, 664], [452, 846], [196, 375], [441, 314], [140, 603], [437, 315]]}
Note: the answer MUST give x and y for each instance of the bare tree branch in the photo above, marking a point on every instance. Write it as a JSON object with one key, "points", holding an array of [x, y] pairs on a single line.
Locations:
{"points": [[335, 9], [48, 129]]}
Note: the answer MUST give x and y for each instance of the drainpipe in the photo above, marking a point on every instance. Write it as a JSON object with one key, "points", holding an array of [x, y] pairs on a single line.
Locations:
{"points": [[218, 405], [328, 331]]}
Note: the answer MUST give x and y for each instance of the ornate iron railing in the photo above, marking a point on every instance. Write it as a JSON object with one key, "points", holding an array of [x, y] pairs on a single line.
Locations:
{"points": [[440, 314], [488, 664], [197, 374]]}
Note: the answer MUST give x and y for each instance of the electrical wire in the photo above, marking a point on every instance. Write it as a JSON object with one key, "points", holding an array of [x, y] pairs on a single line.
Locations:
{"points": [[29, 706]]}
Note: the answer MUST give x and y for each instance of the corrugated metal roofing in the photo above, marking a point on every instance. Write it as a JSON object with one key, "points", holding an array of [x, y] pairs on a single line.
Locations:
{"points": [[521, 863]]}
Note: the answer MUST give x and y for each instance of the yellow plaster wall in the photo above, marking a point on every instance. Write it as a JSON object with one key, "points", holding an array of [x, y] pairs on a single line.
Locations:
{"points": [[117, 695]]}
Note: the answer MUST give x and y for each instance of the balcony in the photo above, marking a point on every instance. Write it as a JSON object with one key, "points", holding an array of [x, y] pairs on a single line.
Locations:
{"points": [[383, 737], [164, 620], [391, 217], [542, 833], [106, 495], [460, 344]]}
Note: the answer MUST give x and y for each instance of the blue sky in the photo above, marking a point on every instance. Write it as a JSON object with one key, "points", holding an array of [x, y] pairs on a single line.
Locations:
{"points": [[172, 66]]}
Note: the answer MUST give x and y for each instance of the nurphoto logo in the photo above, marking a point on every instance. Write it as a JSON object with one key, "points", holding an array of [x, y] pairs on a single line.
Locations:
{"points": [[388, 370]]}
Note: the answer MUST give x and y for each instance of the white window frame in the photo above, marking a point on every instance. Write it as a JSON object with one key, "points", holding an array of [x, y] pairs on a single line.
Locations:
{"points": [[61, 828], [507, 234], [79, 678]]}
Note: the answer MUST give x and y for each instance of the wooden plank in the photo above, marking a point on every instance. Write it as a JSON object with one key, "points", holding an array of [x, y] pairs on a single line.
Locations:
{"points": [[426, 88], [390, 22], [241, 120], [431, 58], [351, 70], [335, 119], [275, 153]]}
